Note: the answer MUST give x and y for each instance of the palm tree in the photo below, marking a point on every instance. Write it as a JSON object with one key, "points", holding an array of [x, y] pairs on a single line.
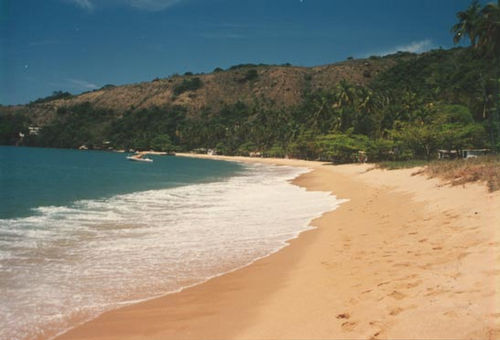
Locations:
{"points": [[345, 93], [468, 23], [483, 25], [372, 104], [346, 97], [489, 30], [489, 43]]}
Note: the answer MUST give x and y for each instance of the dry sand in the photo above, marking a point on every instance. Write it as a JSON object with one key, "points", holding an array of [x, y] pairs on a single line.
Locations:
{"points": [[405, 257]]}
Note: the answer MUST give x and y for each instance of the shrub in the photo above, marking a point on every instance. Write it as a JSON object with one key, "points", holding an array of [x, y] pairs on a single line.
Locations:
{"points": [[162, 143], [235, 67], [246, 148], [340, 148], [188, 85], [55, 95], [275, 151], [250, 75], [107, 87]]}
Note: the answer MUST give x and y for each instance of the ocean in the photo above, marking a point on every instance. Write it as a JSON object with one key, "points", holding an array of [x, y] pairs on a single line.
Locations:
{"points": [[83, 232]]}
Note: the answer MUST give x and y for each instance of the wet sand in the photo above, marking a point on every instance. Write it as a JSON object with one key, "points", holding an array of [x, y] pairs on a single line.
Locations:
{"points": [[405, 257]]}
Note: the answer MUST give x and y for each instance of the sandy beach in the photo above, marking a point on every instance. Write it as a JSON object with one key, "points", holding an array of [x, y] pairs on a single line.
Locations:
{"points": [[405, 257]]}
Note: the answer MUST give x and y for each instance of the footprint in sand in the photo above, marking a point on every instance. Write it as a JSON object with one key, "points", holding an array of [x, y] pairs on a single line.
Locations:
{"points": [[435, 291], [414, 284], [378, 329], [408, 285], [397, 295], [395, 311], [407, 277], [349, 326]]}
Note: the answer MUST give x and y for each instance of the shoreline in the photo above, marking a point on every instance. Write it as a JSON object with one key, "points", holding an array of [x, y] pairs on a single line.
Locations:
{"points": [[296, 292]]}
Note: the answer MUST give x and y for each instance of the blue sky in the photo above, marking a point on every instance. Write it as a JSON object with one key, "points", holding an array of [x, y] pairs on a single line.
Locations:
{"points": [[81, 45]]}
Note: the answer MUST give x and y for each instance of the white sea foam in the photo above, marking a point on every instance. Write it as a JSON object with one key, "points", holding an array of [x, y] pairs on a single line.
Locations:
{"points": [[68, 264]]}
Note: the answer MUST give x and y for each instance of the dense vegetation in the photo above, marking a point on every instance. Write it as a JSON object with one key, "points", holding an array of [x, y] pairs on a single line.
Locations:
{"points": [[442, 99]]}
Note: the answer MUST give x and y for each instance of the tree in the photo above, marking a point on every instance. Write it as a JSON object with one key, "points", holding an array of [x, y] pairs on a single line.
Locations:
{"points": [[422, 139], [192, 84], [367, 117], [489, 30], [162, 143], [250, 75], [468, 23], [304, 146], [341, 148], [489, 44], [345, 100], [322, 115], [10, 127], [458, 137]]}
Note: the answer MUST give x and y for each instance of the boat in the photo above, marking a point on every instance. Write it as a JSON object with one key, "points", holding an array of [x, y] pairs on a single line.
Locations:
{"points": [[139, 159]]}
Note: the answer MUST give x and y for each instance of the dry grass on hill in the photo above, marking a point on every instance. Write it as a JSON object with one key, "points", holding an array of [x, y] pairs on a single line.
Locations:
{"points": [[274, 86]]}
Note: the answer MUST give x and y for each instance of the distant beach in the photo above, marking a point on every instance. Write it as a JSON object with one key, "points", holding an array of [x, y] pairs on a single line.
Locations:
{"points": [[405, 257]]}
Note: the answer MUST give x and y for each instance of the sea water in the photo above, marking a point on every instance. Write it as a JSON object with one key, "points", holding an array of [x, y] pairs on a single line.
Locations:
{"points": [[84, 232]]}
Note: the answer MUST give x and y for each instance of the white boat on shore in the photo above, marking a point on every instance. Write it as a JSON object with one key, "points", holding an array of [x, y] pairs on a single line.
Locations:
{"points": [[139, 159]]}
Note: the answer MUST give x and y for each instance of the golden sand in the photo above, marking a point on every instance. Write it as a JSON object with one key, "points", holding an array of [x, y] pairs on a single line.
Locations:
{"points": [[405, 257]]}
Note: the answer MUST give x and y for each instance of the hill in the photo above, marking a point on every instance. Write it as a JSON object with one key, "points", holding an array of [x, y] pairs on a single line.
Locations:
{"points": [[395, 107], [278, 86]]}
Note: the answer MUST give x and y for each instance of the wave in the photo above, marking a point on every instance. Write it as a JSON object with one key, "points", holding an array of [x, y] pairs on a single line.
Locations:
{"points": [[67, 264]]}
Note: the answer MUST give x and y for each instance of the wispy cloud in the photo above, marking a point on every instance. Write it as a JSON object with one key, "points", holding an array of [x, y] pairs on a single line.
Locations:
{"points": [[149, 5], [414, 47], [82, 84]]}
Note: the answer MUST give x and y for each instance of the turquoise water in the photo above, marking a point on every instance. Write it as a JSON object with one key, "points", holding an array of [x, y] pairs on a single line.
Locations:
{"points": [[35, 177], [84, 232]]}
